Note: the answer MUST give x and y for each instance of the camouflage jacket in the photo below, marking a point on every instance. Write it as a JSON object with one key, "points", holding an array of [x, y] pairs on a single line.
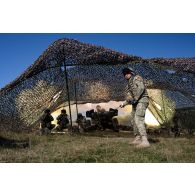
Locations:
{"points": [[136, 90], [62, 119], [46, 119]]}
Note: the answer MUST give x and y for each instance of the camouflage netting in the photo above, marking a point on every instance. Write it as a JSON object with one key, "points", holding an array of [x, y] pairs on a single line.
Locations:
{"points": [[96, 73], [183, 64]]}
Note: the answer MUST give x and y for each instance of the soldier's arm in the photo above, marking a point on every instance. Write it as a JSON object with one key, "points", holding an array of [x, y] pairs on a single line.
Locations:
{"points": [[51, 118], [128, 98], [43, 117], [139, 84], [58, 118]]}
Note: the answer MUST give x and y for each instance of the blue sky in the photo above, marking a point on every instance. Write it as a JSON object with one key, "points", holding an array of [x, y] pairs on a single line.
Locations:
{"points": [[18, 51]]}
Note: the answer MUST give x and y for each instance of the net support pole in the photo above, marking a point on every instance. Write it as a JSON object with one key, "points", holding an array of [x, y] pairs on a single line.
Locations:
{"points": [[75, 93], [68, 94]]}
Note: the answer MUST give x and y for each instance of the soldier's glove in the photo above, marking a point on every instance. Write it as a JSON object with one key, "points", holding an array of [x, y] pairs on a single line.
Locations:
{"points": [[133, 102]]}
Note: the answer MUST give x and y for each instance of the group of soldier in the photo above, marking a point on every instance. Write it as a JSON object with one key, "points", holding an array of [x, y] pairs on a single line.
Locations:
{"points": [[47, 118], [63, 121], [137, 96]]}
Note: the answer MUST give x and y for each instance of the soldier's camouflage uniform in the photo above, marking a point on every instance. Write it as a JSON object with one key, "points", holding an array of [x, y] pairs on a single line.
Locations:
{"points": [[46, 125], [82, 122], [62, 121], [136, 90]]}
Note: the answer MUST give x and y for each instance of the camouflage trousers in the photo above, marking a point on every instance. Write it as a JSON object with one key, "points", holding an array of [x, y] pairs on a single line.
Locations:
{"points": [[138, 118]]}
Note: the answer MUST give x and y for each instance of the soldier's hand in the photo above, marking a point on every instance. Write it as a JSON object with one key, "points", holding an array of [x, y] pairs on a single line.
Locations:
{"points": [[133, 102]]}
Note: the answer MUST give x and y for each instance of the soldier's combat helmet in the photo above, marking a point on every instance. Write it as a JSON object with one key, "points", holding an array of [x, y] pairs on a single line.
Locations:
{"points": [[63, 111], [127, 71]]}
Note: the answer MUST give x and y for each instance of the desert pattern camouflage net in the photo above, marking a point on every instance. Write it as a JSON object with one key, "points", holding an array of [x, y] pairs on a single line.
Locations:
{"points": [[95, 72]]}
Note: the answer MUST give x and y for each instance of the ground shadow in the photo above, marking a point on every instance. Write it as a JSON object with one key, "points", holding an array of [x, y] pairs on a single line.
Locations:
{"points": [[11, 143], [153, 140], [108, 134]]}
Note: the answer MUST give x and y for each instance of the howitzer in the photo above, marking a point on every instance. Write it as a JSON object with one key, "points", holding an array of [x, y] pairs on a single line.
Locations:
{"points": [[103, 119]]}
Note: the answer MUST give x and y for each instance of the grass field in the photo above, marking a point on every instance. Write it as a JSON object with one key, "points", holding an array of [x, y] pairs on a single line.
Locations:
{"points": [[97, 147]]}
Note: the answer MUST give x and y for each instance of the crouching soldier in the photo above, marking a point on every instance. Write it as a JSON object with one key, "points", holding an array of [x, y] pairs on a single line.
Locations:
{"points": [[46, 125], [98, 118], [62, 121], [82, 122], [139, 99]]}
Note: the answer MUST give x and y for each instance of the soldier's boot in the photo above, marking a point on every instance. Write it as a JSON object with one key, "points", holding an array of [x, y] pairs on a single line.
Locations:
{"points": [[144, 143], [137, 140]]}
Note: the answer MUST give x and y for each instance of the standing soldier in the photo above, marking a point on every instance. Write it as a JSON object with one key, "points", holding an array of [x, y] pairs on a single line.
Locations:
{"points": [[139, 99]]}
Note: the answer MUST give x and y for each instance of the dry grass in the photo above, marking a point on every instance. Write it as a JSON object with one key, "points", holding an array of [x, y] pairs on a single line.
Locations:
{"points": [[92, 147]]}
